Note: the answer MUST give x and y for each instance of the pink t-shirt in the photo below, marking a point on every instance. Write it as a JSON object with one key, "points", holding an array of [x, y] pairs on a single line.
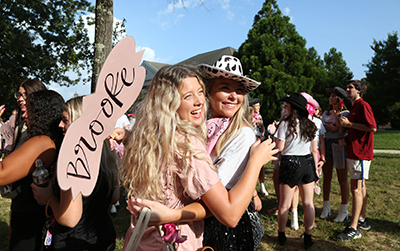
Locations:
{"points": [[199, 180]]}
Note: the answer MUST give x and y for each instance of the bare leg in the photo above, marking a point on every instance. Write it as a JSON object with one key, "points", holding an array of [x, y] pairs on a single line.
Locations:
{"points": [[285, 203], [359, 197], [275, 178], [344, 185], [307, 198], [261, 176], [327, 169], [295, 200], [363, 213]]}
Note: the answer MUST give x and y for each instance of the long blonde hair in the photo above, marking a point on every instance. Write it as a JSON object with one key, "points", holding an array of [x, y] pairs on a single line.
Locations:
{"points": [[109, 160], [160, 136], [238, 121]]}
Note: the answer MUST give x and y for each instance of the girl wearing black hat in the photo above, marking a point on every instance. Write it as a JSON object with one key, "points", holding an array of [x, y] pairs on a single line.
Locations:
{"points": [[297, 139], [335, 153]]}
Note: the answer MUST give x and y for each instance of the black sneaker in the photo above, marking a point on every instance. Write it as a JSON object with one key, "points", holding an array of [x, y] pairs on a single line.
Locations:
{"points": [[349, 234], [363, 225]]}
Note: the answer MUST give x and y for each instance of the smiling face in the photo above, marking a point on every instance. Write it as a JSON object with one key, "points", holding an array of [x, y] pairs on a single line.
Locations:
{"points": [[21, 100], [226, 97], [192, 101], [65, 122]]}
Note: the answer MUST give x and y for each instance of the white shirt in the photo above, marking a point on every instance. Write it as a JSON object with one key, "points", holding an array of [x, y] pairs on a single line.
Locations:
{"points": [[122, 122], [294, 145], [234, 157]]}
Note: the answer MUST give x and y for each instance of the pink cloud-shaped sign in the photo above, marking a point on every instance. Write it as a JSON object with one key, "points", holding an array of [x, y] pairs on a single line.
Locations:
{"points": [[119, 83]]}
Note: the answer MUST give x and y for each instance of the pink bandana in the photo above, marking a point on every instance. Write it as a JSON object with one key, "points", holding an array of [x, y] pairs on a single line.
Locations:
{"points": [[215, 128]]}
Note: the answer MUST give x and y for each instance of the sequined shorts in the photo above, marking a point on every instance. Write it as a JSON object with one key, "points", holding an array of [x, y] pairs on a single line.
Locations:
{"points": [[296, 169]]}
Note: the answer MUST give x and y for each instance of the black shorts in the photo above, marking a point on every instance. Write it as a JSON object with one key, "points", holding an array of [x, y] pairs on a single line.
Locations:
{"points": [[296, 169]]}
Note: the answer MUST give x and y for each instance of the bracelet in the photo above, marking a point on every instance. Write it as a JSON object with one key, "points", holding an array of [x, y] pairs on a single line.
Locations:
{"points": [[47, 205]]}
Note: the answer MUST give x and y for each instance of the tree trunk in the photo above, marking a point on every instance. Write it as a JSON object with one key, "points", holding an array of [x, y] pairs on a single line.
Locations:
{"points": [[102, 37]]}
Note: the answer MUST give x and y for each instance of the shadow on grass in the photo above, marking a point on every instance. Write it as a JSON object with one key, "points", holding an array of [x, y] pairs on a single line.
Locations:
{"points": [[4, 231]]}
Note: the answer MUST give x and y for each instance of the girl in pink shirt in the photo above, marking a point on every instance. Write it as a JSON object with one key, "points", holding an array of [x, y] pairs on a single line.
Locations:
{"points": [[165, 160]]}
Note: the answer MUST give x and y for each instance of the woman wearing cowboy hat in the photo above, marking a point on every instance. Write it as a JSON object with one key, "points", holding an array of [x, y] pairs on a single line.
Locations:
{"points": [[227, 89], [295, 137]]}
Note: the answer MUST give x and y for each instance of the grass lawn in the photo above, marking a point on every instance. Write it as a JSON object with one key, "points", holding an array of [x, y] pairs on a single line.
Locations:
{"points": [[382, 209], [387, 139]]}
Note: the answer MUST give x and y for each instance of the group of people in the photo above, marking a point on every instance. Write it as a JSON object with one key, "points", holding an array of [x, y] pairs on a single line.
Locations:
{"points": [[193, 156]]}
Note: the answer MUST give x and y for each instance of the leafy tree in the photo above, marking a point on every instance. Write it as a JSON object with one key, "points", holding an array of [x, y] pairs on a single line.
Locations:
{"points": [[337, 74], [44, 40], [275, 55], [383, 80]]}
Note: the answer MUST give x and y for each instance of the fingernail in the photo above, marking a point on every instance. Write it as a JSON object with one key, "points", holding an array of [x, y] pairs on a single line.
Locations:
{"points": [[138, 200], [277, 158]]}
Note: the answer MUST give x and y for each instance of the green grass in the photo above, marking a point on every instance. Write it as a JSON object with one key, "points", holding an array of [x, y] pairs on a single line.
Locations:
{"points": [[387, 139], [382, 210]]}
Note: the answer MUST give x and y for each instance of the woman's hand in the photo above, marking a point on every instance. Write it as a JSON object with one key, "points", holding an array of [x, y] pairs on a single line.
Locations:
{"points": [[263, 152], [119, 134], [43, 194], [257, 203], [160, 214]]}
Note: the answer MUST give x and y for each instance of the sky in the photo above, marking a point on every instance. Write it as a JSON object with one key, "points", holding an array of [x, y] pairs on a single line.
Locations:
{"points": [[170, 33]]}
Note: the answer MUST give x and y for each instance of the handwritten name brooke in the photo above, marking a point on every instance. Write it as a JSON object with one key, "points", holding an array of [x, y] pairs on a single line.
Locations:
{"points": [[113, 88]]}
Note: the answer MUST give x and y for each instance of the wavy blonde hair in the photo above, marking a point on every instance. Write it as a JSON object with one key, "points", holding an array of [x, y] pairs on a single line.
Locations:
{"points": [[238, 121], [160, 136], [109, 162]]}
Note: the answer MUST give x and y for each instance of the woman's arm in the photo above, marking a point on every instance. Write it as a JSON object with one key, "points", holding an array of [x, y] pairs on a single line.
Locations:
{"points": [[20, 163], [227, 207], [321, 151], [314, 153], [161, 214], [340, 128], [66, 211]]}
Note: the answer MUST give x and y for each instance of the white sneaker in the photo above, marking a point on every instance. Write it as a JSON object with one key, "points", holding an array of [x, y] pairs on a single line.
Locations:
{"points": [[117, 204], [113, 209], [326, 210]]}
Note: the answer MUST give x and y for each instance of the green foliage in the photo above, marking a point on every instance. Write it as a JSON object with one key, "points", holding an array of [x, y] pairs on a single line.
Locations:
{"points": [[383, 79], [44, 40], [275, 55], [337, 74]]}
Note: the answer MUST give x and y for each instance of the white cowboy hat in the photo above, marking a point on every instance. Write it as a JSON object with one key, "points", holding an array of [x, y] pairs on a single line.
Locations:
{"points": [[229, 67]]}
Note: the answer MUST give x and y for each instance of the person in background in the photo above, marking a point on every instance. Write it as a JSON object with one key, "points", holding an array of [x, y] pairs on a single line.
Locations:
{"points": [[297, 138], [312, 106], [24, 89], [318, 112], [83, 223], [335, 153], [43, 112], [258, 126], [361, 126], [122, 122]]}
